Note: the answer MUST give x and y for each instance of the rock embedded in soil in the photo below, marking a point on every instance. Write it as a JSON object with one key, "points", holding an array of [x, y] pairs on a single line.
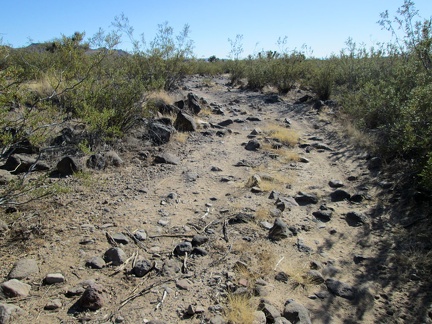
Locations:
{"points": [[160, 133], [185, 123], [68, 166], [167, 158], [269, 310], [323, 215], [183, 248], [95, 263], [24, 268], [296, 313], [198, 240], [340, 289], [142, 267], [9, 313], [120, 238], [279, 230], [15, 288], [115, 255], [253, 145], [53, 304], [140, 235], [335, 183], [356, 219], [306, 198], [339, 195], [92, 298]]}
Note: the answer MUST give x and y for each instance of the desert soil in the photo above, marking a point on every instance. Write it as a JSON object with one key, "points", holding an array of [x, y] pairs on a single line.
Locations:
{"points": [[203, 194]]}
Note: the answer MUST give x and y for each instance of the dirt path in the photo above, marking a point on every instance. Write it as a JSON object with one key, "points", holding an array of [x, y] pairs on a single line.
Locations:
{"points": [[206, 194]]}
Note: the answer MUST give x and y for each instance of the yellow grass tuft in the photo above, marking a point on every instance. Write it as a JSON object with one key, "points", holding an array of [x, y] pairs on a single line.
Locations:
{"points": [[284, 135], [180, 137], [239, 310]]}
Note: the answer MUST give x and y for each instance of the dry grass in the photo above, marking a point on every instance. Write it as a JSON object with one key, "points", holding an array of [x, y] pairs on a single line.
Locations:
{"points": [[163, 96], [357, 137], [297, 273], [262, 214], [268, 181], [239, 310], [282, 134], [180, 137]]}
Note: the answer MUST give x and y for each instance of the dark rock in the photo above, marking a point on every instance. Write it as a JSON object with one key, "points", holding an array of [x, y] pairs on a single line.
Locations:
{"points": [[20, 163], [142, 267], [160, 133], [226, 122], [358, 258], [336, 183], [120, 238], [339, 195], [164, 120], [167, 158], [180, 104], [283, 203], [296, 313], [23, 269], [241, 218], [253, 118], [96, 161], [281, 320], [92, 298], [199, 251], [185, 123], [323, 215], [306, 199], [271, 99], [171, 267], [67, 166], [215, 169], [253, 145], [356, 219], [282, 276], [340, 289], [318, 105], [279, 230], [269, 310], [302, 247], [193, 104], [115, 255], [95, 263], [356, 198], [22, 147], [67, 137], [374, 164], [303, 99], [183, 248], [198, 240]]}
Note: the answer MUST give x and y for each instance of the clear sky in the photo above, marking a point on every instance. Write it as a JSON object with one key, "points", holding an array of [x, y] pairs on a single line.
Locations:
{"points": [[323, 25]]}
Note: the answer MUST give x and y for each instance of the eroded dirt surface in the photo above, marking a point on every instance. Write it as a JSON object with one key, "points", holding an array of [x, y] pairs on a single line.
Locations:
{"points": [[172, 203]]}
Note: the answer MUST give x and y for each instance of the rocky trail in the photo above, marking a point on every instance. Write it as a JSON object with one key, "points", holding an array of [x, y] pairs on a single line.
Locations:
{"points": [[306, 232]]}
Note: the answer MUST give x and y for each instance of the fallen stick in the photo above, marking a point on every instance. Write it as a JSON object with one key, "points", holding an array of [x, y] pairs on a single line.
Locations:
{"points": [[163, 298], [144, 291], [121, 267], [206, 214], [185, 268], [278, 263]]}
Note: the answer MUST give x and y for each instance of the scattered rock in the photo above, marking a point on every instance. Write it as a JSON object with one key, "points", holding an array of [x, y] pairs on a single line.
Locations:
{"points": [[115, 255], [226, 122], [67, 166], [160, 133], [283, 203], [23, 268], [340, 289], [140, 235], [95, 263], [15, 288], [184, 284], [315, 277], [54, 278], [19, 163], [323, 215], [269, 310], [120, 238], [53, 304], [96, 161], [279, 230], [356, 219], [259, 318], [167, 158], [336, 183], [9, 312], [253, 145], [198, 240], [339, 195], [296, 313], [185, 123], [241, 218], [183, 248], [142, 267], [282, 276], [92, 298], [306, 199]]}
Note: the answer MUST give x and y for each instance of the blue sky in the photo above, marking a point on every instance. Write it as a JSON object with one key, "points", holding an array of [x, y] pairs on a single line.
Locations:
{"points": [[323, 25]]}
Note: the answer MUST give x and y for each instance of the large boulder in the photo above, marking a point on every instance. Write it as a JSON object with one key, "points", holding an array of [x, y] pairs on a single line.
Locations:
{"points": [[160, 133], [20, 163], [185, 123], [193, 103]]}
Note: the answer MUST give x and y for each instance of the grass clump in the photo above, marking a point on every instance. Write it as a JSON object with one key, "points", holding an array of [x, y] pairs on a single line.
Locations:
{"points": [[282, 134], [239, 309]]}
